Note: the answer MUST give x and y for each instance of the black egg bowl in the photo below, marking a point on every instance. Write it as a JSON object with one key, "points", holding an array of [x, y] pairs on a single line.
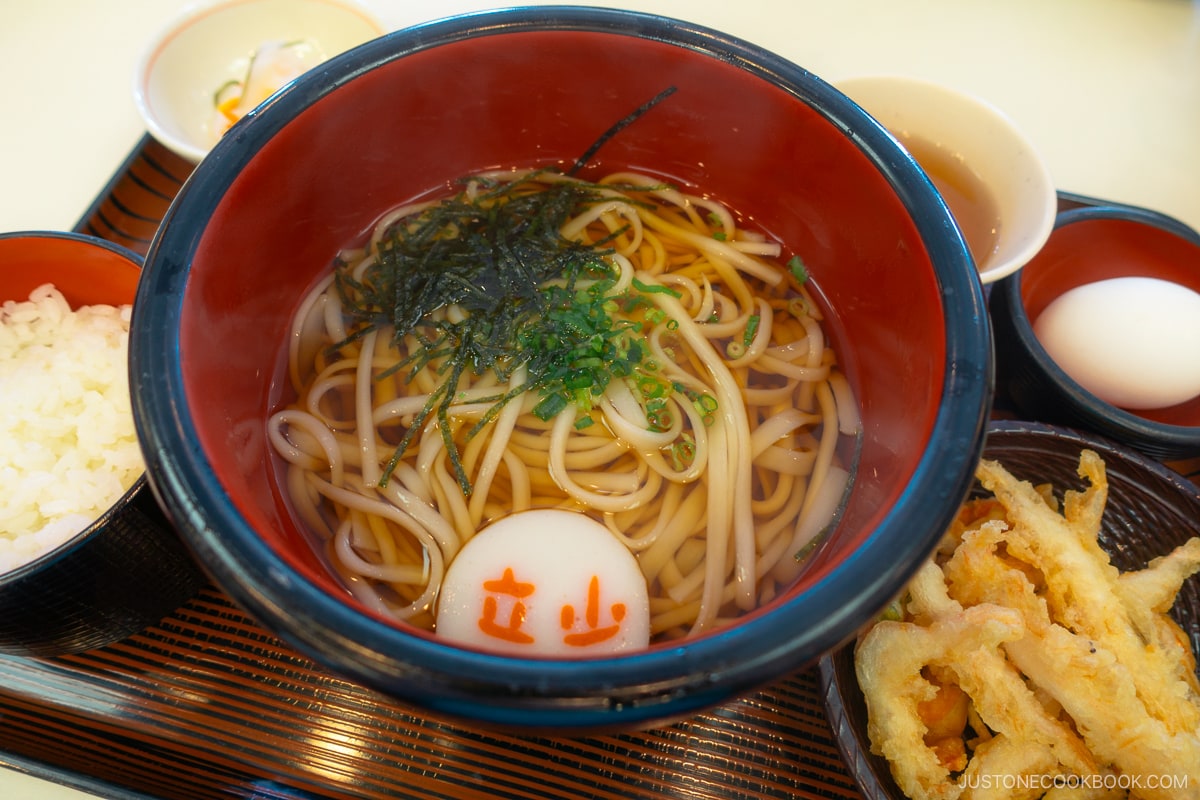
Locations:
{"points": [[1150, 511], [1092, 240]]}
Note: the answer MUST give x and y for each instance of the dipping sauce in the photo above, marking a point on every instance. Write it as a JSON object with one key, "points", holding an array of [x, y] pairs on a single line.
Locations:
{"points": [[1132, 342], [969, 200]]}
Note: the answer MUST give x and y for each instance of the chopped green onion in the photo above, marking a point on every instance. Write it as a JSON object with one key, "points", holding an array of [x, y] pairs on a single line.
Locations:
{"points": [[549, 406], [654, 288], [751, 329], [683, 451], [798, 270], [529, 300]]}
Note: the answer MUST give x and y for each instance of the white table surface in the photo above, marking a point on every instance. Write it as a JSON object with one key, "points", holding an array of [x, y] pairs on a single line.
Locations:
{"points": [[1108, 90]]}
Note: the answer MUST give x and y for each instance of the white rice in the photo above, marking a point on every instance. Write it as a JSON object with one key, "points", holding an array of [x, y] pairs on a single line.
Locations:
{"points": [[68, 450]]}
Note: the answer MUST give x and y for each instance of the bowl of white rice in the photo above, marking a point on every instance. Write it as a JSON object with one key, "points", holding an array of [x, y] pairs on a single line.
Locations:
{"points": [[86, 556]]}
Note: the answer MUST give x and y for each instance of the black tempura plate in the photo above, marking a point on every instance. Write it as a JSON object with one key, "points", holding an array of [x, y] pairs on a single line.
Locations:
{"points": [[1150, 511]]}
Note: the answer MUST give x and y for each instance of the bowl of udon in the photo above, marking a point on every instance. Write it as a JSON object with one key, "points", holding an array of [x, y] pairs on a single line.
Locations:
{"points": [[86, 556], [561, 369]]}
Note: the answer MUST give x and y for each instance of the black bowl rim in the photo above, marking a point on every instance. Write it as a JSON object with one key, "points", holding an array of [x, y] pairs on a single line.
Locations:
{"points": [[663, 681], [46, 560], [1116, 422]]}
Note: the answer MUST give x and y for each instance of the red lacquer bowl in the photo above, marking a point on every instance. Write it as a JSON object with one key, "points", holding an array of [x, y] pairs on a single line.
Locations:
{"points": [[265, 212]]}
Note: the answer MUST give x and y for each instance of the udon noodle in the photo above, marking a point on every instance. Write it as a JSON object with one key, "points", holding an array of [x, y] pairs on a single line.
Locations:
{"points": [[704, 434]]}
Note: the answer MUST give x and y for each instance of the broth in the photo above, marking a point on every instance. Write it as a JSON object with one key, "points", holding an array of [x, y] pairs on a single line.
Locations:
{"points": [[651, 368]]}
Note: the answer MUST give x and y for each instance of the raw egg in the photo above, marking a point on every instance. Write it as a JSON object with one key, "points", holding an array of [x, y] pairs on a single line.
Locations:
{"points": [[546, 582], [1132, 342]]}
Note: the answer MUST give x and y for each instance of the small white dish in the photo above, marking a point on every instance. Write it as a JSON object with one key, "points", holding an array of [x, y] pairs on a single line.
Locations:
{"points": [[182, 71], [991, 176]]}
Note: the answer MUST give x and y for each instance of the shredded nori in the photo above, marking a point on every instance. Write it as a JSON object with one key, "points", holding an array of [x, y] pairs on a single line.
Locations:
{"points": [[493, 254]]}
